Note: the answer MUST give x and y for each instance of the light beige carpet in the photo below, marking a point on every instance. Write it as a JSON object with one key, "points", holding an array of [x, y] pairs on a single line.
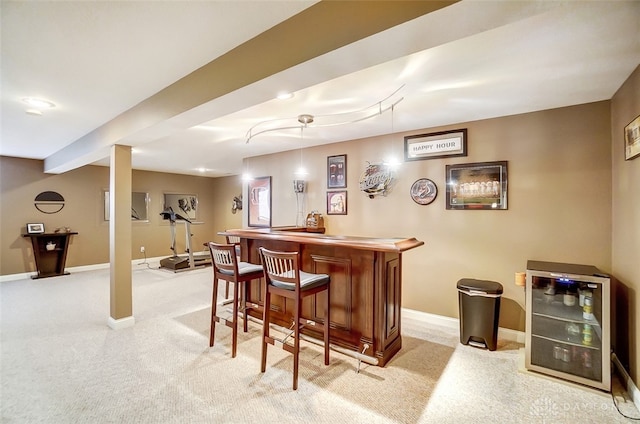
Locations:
{"points": [[60, 363]]}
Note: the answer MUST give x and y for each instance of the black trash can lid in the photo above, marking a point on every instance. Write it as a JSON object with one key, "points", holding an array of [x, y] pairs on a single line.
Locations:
{"points": [[470, 284]]}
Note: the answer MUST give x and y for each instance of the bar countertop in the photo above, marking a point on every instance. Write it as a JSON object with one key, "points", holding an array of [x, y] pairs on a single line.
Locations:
{"points": [[297, 234]]}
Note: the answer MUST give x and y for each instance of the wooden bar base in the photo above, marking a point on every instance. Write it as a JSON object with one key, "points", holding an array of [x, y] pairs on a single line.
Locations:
{"points": [[366, 285]]}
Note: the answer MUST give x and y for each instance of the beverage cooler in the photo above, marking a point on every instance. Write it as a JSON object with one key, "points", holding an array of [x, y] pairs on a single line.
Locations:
{"points": [[567, 323]]}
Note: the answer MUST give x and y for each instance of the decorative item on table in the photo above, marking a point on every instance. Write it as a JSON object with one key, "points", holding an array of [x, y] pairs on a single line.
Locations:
{"points": [[62, 230], [315, 222], [51, 246]]}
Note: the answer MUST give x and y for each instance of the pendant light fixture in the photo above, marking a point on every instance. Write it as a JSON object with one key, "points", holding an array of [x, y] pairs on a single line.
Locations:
{"points": [[330, 120]]}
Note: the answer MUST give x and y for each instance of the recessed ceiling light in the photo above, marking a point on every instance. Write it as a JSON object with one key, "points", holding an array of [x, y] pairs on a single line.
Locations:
{"points": [[34, 112], [285, 96], [38, 103]]}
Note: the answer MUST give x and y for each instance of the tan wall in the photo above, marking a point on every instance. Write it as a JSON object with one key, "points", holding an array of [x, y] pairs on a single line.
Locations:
{"points": [[559, 203], [625, 106], [21, 180]]}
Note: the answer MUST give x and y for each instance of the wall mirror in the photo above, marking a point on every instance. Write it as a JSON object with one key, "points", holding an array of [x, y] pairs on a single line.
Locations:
{"points": [[139, 206], [185, 205]]}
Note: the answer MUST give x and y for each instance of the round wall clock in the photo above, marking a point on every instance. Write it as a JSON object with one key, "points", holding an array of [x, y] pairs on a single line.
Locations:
{"points": [[423, 191]]}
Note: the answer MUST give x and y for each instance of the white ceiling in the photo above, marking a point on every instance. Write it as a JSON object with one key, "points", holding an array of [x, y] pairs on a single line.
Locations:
{"points": [[472, 60]]}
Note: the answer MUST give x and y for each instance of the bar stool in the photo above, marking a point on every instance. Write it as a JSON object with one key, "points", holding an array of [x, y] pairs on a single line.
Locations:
{"points": [[283, 277], [227, 267], [235, 240]]}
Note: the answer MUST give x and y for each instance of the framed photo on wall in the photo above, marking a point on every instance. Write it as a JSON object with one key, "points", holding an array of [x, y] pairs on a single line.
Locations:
{"points": [[480, 185], [337, 171], [336, 203], [259, 194], [632, 139]]}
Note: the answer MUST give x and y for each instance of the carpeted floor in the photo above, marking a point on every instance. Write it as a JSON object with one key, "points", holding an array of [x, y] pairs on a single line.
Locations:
{"points": [[60, 363]]}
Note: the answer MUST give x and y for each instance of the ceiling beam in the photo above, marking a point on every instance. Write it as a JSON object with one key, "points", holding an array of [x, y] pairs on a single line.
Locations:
{"points": [[320, 29]]}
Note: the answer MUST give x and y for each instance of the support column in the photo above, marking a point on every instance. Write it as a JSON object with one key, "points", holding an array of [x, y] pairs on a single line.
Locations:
{"points": [[121, 311]]}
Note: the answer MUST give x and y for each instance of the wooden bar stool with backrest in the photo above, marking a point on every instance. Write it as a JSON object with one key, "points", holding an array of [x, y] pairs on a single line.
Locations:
{"points": [[227, 267], [235, 240], [283, 277]]}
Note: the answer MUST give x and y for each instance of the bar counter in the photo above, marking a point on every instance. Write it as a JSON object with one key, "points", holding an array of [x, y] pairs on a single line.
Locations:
{"points": [[366, 285]]}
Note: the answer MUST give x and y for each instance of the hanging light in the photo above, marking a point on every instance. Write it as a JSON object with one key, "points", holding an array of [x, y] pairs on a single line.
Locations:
{"points": [[304, 119], [246, 175], [392, 160]]}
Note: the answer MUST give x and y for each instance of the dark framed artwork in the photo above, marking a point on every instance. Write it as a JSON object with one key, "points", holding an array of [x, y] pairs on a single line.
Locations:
{"points": [[35, 228], [336, 203], [259, 194], [480, 185], [423, 191], [435, 145], [632, 139], [337, 171]]}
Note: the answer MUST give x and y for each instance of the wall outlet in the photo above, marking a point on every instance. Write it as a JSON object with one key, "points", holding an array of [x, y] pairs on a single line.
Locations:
{"points": [[141, 249]]}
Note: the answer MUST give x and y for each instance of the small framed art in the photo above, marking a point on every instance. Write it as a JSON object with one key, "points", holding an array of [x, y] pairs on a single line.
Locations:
{"points": [[632, 139], [337, 171], [37, 228], [336, 203]]}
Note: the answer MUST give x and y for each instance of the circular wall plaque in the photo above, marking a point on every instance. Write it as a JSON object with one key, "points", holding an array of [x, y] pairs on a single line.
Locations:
{"points": [[423, 191]]}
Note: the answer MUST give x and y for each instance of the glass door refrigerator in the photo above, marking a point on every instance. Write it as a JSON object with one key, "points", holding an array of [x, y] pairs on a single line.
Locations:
{"points": [[567, 323]]}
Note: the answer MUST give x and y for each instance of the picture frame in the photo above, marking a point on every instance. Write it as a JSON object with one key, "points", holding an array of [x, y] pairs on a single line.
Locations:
{"points": [[35, 228], [183, 204], [259, 195], [337, 171], [423, 191], [481, 185], [337, 202], [632, 139], [435, 145]]}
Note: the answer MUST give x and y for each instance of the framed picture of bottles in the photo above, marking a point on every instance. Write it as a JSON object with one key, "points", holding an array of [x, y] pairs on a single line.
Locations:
{"points": [[337, 171]]}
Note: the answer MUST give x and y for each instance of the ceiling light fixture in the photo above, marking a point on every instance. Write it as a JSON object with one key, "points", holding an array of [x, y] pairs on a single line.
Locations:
{"points": [[326, 120], [38, 103], [34, 112], [285, 96]]}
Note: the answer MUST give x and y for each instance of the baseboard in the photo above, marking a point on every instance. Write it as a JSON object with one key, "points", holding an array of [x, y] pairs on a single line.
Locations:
{"points": [[135, 262], [454, 324], [119, 324], [632, 389]]}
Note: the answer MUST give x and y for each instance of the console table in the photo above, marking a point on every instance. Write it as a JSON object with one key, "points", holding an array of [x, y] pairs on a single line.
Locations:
{"points": [[50, 261]]}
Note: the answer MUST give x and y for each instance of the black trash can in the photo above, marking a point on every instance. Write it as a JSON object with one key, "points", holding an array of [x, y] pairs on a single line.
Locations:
{"points": [[479, 302]]}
